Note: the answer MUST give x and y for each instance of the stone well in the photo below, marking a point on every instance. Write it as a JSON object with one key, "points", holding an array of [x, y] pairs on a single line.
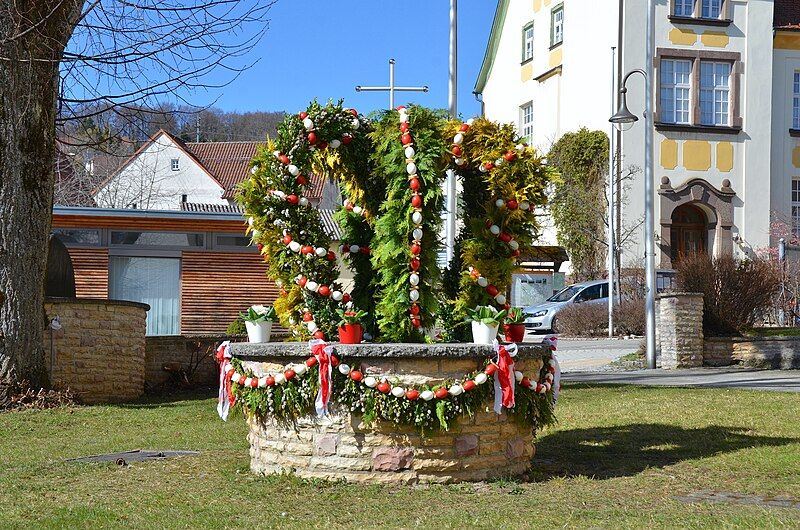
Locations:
{"points": [[343, 447]]}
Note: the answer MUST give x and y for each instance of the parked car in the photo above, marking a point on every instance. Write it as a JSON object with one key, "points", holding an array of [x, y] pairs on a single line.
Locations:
{"points": [[543, 317]]}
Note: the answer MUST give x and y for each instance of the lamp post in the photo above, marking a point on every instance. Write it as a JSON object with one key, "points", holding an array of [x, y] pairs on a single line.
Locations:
{"points": [[623, 119]]}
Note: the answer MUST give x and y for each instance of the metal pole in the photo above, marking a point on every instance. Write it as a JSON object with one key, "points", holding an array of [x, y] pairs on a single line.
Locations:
{"points": [[391, 84], [649, 225], [450, 230], [611, 174]]}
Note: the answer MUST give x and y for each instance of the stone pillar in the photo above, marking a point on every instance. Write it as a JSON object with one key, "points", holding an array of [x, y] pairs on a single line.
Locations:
{"points": [[680, 330]]}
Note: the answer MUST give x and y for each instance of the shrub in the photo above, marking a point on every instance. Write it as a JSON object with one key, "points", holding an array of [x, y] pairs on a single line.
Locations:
{"points": [[236, 328], [582, 320], [735, 292], [629, 317]]}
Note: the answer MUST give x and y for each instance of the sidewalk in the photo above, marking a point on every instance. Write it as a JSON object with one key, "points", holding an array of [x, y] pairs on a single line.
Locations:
{"points": [[772, 380]]}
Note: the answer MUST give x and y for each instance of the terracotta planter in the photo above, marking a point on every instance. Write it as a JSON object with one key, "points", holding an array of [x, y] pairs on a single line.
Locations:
{"points": [[483, 333], [258, 331], [514, 332], [351, 334]]}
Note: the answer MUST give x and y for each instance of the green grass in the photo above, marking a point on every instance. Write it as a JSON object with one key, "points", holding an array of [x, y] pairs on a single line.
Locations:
{"points": [[773, 332], [616, 460]]}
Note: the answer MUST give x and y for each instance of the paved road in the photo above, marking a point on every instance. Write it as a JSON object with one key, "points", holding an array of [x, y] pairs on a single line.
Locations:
{"points": [[773, 380], [584, 355]]}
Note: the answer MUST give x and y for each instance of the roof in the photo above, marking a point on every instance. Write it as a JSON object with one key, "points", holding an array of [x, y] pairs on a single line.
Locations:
{"points": [[786, 14], [491, 46], [331, 226], [210, 208]]}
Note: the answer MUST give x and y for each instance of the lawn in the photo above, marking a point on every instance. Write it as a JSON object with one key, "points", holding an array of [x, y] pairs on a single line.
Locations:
{"points": [[618, 458]]}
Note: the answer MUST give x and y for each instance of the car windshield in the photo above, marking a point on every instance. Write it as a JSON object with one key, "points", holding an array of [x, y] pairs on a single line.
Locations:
{"points": [[564, 295]]}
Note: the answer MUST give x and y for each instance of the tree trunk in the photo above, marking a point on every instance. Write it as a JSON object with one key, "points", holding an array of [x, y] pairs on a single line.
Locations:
{"points": [[33, 35]]}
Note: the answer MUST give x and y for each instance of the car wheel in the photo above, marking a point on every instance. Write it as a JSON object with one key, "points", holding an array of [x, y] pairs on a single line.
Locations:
{"points": [[554, 326]]}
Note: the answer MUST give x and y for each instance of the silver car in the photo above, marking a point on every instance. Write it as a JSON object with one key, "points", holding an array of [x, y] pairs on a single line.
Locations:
{"points": [[542, 317]]}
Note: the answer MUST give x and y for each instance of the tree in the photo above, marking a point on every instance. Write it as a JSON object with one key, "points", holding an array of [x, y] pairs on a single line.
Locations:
{"points": [[59, 60]]}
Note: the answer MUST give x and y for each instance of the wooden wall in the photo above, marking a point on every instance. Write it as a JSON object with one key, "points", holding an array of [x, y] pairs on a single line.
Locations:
{"points": [[91, 272], [216, 286]]}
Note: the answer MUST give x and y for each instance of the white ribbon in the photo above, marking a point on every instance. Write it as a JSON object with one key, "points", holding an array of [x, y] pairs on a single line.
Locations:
{"points": [[511, 349], [223, 355], [320, 405]]}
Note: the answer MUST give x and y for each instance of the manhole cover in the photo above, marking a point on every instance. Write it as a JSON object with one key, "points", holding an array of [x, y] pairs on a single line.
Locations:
{"points": [[137, 455], [778, 501]]}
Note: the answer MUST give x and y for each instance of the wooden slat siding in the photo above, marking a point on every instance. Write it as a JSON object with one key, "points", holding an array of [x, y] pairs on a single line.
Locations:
{"points": [[91, 271], [154, 224], [216, 286]]}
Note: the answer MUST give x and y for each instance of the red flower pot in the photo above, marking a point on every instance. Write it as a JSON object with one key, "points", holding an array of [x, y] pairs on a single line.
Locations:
{"points": [[351, 334], [514, 332]]}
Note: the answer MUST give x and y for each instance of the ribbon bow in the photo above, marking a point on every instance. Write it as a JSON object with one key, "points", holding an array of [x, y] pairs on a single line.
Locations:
{"points": [[504, 378], [323, 353], [226, 397]]}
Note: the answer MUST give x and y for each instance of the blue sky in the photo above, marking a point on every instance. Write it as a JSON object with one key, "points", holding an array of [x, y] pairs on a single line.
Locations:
{"points": [[324, 49]]}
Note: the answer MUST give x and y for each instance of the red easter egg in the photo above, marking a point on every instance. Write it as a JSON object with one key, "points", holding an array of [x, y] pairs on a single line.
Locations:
{"points": [[259, 246], [324, 290], [345, 248], [384, 387], [292, 199], [412, 394], [511, 204], [354, 112], [302, 281], [346, 139], [490, 369], [270, 380], [355, 375], [489, 165], [416, 201], [526, 382], [349, 207], [416, 322], [364, 250], [492, 290], [413, 184], [323, 145], [307, 317], [307, 249], [331, 255], [346, 298], [319, 335], [507, 306], [415, 264], [400, 107], [404, 127], [254, 382], [302, 180], [311, 361], [469, 385], [441, 393], [488, 223], [406, 139], [415, 249], [241, 380], [457, 150], [509, 156], [414, 310], [284, 159], [289, 374], [464, 127], [287, 239], [334, 360], [312, 138], [303, 115], [515, 253], [504, 237]]}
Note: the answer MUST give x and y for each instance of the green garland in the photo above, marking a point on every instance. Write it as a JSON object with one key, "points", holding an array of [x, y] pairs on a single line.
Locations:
{"points": [[294, 399]]}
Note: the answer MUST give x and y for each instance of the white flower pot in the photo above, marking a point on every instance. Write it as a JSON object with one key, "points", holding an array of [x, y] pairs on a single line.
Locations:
{"points": [[258, 331], [483, 333]]}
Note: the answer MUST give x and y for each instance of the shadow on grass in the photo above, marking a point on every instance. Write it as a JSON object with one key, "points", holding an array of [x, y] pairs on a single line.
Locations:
{"points": [[154, 401], [626, 450]]}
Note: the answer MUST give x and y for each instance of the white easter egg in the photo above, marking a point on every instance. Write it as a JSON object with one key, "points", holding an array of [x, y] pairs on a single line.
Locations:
{"points": [[494, 229], [262, 382], [280, 379], [356, 124], [524, 205], [518, 376], [417, 234], [319, 251], [499, 203], [398, 391], [354, 249], [416, 217], [357, 210], [426, 395], [300, 369], [459, 161], [337, 295], [335, 144], [411, 168], [370, 381], [303, 201], [312, 285], [308, 124], [312, 326], [480, 379], [513, 244], [458, 138], [482, 281], [293, 170], [470, 121], [413, 279], [409, 152], [294, 246], [248, 381], [413, 295], [344, 369], [501, 299], [456, 390]]}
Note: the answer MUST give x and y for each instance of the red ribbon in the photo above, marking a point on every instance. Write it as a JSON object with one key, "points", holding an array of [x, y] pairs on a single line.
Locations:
{"points": [[325, 383], [505, 371]]}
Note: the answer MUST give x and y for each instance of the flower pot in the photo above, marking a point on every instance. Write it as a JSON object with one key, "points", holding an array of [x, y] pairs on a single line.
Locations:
{"points": [[483, 333], [258, 331], [351, 334], [514, 332]]}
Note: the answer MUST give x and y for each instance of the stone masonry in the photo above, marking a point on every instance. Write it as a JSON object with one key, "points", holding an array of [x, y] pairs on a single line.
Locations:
{"points": [[99, 352], [680, 330], [343, 447], [753, 352]]}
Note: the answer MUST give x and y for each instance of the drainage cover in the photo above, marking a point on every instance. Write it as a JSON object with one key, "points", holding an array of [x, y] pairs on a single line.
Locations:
{"points": [[137, 455]]}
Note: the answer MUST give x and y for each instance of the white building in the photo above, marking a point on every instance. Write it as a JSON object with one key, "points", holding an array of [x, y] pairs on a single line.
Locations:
{"points": [[727, 103]]}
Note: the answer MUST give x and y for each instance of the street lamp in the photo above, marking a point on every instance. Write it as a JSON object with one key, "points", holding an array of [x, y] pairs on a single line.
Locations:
{"points": [[624, 119]]}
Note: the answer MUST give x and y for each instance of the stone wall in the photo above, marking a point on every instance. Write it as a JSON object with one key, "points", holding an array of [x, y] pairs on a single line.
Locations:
{"points": [[680, 330], [99, 351], [193, 354], [343, 447], [753, 352]]}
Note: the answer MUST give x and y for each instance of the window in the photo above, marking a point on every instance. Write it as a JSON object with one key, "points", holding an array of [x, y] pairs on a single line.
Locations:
{"points": [[711, 8], [157, 239], [557, 25], [230, 240], [175, 163], [153, 281], [77, 237], [527, 42], [526, 120], [796, 102], [714, 93], [796, 208], [675, 90], [684, 8], [590, 293]]}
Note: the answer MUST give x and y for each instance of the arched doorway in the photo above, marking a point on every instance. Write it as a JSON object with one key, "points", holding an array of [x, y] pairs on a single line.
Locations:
{"points": [[689, 232]]}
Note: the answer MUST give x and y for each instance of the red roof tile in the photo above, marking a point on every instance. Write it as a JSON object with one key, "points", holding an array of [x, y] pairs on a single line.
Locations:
{"points": [[228, 162], [787, 14]]}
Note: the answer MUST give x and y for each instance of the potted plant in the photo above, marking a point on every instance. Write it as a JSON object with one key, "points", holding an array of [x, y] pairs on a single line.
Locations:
{"points": [[258, 321], [350, 329], [514, 325], [485, 322]]}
